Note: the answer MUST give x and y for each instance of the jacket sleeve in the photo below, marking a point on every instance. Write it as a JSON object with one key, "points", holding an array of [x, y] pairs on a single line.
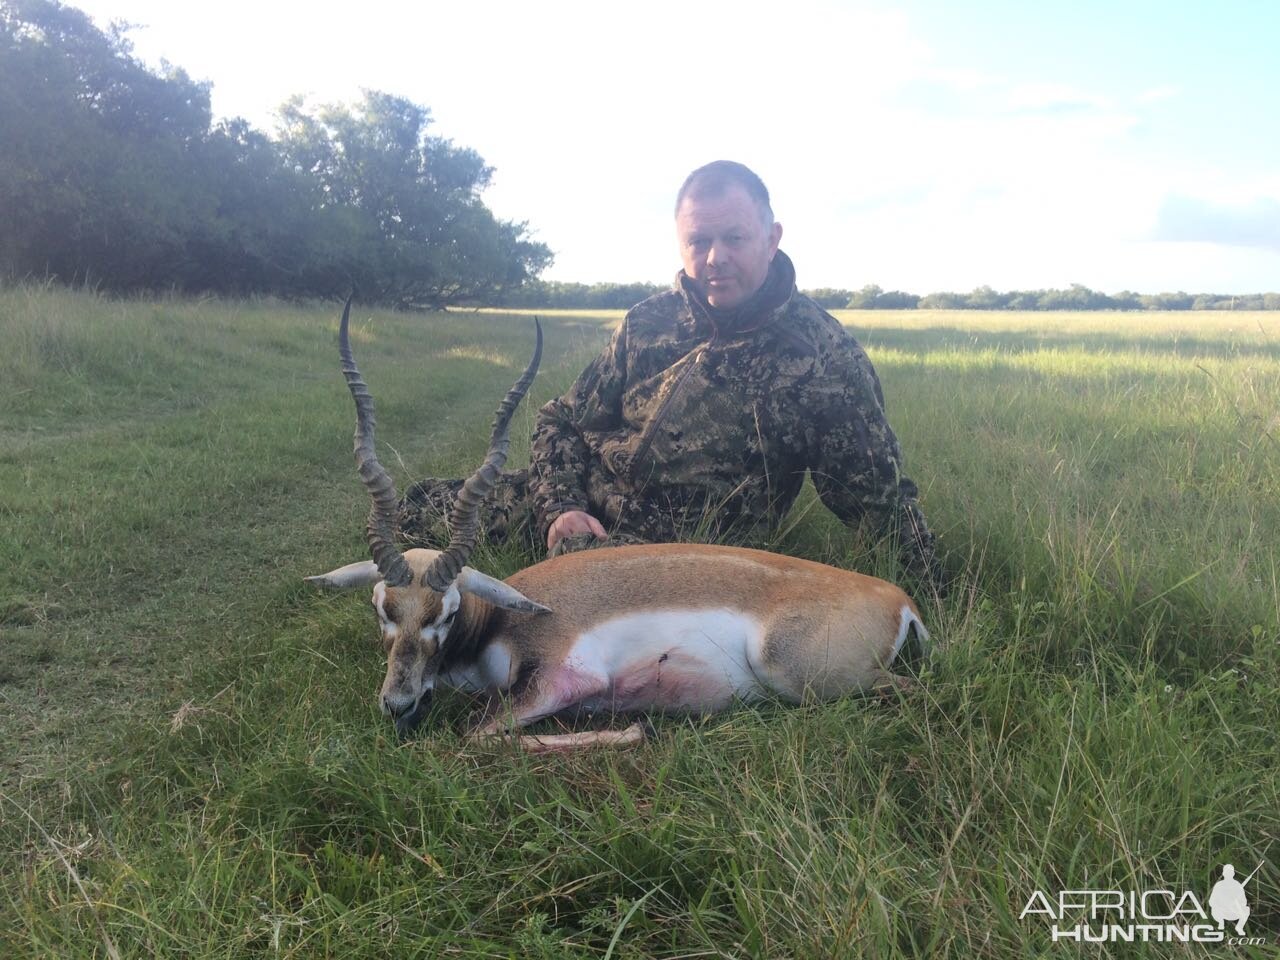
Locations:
{"points": [[560, 454], [854, 456]]}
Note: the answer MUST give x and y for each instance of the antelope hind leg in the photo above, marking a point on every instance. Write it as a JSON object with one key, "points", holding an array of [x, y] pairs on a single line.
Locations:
{"points": [[553, 695]]}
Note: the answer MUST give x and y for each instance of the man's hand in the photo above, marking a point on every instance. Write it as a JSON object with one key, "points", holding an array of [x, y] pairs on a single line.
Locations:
{"points": [[573, 522]]}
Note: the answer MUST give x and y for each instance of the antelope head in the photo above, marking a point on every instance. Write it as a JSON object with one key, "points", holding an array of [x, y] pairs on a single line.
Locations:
{"points": [[423, 597]]}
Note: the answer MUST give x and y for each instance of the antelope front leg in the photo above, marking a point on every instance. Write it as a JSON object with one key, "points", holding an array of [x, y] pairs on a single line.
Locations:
{"points": [[545, 697], [567, 742]]}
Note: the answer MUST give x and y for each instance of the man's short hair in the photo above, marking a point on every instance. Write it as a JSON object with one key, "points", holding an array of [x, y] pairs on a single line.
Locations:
{"points": [[713, 179]]}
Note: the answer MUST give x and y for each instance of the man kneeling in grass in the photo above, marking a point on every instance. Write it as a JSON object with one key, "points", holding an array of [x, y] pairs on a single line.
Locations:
{"points": [[706, 409]]}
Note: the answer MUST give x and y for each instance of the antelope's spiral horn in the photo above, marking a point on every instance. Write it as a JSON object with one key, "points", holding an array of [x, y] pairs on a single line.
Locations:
{"points": [[380, 529]]}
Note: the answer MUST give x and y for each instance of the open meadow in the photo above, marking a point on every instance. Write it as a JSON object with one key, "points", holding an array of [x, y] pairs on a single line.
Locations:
{"points": [[192, 762]]}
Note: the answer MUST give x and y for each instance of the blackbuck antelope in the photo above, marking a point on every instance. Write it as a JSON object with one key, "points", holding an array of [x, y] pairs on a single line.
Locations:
{"points": [[667, 627]]}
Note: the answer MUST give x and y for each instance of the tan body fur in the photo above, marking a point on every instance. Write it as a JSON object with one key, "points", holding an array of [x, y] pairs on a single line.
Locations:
{"points": [[828, 632], [823, 632]]}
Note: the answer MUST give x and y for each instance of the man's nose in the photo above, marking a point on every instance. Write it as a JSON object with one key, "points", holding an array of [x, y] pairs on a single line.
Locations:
{"points": [[716, 254]]}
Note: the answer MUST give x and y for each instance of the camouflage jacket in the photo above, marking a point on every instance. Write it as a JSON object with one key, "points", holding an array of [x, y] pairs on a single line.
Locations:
{"points": [[686, 426]]}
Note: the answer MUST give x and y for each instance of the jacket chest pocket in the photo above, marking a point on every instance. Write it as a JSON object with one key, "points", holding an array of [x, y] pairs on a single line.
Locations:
{"points": [[708, 424]]}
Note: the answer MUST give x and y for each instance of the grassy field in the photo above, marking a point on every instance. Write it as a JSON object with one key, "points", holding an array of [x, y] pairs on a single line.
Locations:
{"points": [[193, 764]]}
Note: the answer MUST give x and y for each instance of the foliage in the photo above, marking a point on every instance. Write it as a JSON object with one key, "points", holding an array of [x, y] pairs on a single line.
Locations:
{"points": [[115, 176], [562, 295], [420, 235], [871, 297], [619, 296], [830, 298], [1075, 297], [194, 764], [556, 295]]}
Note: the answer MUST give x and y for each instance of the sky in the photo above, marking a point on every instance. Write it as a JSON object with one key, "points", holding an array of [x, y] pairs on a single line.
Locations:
{"points": [[921, 145]]}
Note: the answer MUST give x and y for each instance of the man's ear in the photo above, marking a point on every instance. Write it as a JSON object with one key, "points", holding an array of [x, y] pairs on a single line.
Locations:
{"points": [[775, 237]]}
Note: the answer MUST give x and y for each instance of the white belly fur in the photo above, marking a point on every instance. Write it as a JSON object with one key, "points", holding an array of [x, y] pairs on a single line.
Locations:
{"points": [[680, 660]]}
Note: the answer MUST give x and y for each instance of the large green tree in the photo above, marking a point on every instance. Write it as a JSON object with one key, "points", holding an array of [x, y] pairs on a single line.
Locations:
{"points": [[95, 151], [113, 174], [422, 235]]}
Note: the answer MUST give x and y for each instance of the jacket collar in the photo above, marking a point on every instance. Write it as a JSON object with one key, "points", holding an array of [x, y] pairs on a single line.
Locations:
{"points": [[757, 311]]}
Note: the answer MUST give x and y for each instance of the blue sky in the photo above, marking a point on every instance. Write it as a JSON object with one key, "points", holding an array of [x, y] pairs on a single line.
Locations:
{"points": [[919, 145], [1218, 63]]}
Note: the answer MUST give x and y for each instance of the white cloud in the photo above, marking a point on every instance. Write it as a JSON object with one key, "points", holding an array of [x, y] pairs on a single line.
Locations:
{"points": [[1157, 94], [1053, 98]]}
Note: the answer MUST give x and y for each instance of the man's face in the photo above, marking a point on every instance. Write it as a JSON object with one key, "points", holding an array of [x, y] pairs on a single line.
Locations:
{"points": [[724, 245]]}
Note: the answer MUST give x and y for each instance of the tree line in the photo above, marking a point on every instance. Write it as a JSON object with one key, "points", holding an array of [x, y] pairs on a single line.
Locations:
{"points": [[115, 176], [1075, 297], [565, 295], [550, 294]]}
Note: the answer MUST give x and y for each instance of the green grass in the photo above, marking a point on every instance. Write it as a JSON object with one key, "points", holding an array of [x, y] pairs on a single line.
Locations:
{"points": [[193, 763]]}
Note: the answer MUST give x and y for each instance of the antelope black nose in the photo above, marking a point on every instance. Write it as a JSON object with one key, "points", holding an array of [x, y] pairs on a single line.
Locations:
{"points": [[408, 717]]}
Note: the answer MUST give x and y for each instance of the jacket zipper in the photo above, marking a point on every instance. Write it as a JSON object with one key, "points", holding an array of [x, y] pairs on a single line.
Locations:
{"points": [[646, 438]]}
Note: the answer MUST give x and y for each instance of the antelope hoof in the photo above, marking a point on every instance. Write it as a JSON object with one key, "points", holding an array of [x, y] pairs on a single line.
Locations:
{"points": [[893, 686]]}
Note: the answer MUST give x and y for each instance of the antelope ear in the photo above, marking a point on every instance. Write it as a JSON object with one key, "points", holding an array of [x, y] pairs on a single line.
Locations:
{"points": [[359, 574], [496, 592]]}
